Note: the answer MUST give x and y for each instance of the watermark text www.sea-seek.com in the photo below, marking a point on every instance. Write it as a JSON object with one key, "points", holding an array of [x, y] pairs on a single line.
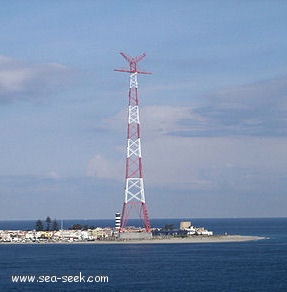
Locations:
{"points": [[79, 278]]}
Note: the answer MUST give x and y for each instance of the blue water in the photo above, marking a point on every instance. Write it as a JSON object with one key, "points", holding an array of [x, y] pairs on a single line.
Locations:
{"points": [[246, 266]]}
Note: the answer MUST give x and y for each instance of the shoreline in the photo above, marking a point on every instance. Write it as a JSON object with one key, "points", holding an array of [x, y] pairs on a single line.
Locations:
{"points": [[188, 240]]}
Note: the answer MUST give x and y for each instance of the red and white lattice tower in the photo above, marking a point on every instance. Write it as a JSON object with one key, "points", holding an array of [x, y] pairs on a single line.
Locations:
{"points": [[134, 189]]}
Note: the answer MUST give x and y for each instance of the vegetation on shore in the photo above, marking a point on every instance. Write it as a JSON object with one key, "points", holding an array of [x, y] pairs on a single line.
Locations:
{"points": [[49, 225]]}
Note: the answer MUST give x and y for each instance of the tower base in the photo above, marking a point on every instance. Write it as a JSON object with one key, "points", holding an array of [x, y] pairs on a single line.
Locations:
{"points": [[135, 235]]}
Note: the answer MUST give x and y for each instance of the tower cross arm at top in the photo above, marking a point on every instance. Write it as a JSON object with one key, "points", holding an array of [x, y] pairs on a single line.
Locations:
{"points": [[133, 64]]}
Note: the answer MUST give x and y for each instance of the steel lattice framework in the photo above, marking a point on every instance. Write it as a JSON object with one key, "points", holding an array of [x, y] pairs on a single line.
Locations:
{"points": [[134, 188]]}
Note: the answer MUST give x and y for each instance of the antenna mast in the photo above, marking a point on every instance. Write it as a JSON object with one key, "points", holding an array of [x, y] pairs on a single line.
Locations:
{"points": [[134, 188]]}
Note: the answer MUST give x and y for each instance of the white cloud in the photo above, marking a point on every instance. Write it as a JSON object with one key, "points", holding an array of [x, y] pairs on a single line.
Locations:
{"points": [[159, 120], [204, 163], [163, 120], [237, 163], [52, 174], [234, 164], [236, 141], [256, 109], [19, 80], [102, 167]]}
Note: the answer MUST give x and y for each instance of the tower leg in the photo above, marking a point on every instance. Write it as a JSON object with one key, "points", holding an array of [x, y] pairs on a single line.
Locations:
{"points": [[124, 217], [145, 218]]}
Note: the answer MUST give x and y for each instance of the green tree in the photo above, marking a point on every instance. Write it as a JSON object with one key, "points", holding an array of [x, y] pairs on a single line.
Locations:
{"points": [[48, 222], [168, 227], [39, 225], [55, 225], [76, 227]]}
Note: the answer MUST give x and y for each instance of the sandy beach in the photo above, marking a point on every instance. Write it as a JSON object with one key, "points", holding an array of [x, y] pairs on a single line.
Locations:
{"points": [[187, 240], [193, 239], [199, 239]]}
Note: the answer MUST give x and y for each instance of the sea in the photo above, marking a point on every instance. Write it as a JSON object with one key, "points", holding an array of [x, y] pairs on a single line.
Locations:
{"points": [[234, 266]]}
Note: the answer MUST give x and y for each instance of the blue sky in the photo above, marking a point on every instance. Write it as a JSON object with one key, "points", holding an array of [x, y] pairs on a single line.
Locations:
{"points": [[213, 113]]}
